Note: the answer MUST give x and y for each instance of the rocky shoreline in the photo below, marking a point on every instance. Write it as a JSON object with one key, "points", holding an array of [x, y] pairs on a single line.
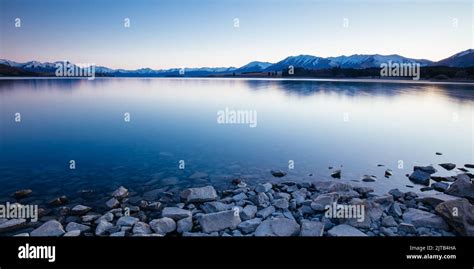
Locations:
{"points": [[270, 209]]}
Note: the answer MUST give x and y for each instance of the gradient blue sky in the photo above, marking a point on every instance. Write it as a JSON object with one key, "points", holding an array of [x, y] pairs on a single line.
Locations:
{"points": [[194, 33]]}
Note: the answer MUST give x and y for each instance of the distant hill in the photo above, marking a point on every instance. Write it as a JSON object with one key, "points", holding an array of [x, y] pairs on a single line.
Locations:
{"points": [[461, 59]]}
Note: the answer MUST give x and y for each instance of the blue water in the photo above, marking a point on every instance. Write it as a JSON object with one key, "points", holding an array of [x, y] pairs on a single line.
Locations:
{"points": [[316, 124]]}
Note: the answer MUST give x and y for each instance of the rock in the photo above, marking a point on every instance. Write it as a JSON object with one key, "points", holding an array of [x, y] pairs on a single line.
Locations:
{"points": [[426, 189], [459, 214], [239, 197], [214, 222], [249, 226], [176, 213], [204, 194], [141, 228], [345, 230], [448, 166], [73, 233], [396, 210], [462, 187], [127, 221], [469, 165], [11, 224], [396, 193], [311, 228], [463, 169], [22, 193], [440, 186], [420, 177], [120, 193], [80, 210], [103, 227], [278, 227], [388, 173], [427, 169], [109, 216], [248, 212], [433, 199], [323, 200], [163, 226], [264, 213], [263, 187], [112, 203], [198, 175], [368, 178], [336, 174], [263, 200], [118, 234], [278, 173], [212, 207], [389, 221], [364, 191], [50, 228], [281, 203], [89, 218], [185, 225], [58, 201], [73, 226], [407, 228], [420, 218], [439, 153]]}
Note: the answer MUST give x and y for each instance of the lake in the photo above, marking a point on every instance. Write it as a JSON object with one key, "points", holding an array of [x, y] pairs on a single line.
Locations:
{"points": [[135, 132]]}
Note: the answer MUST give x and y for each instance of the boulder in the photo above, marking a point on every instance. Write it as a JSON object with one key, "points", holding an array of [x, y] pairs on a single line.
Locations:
{"points": [[103, 227], [184, 225], [462, 187], [427, 169], [204, 194], [214, 222], [278, 227], [120, 193], [278, 173], [50, 228], [345, 230], [127, 221], [248, 212], [321, 202], [80, 210], [11, 224], [420, 218], [264, 213], [141, 228], [420, 177], [249, 226], [433, 199], [72, 226], [176, 213], [263, 187], [440, 186], [163, 226], [459, 214], [311, 228]]}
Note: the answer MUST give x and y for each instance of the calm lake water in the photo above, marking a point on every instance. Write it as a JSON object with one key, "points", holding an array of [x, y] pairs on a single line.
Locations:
{"points": [[317, 124]]}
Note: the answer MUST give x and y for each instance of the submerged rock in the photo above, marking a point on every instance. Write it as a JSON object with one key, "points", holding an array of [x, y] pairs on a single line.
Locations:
{"points": [[58, 201], [278, 173], [368, 178], [120, 193], [22, 193], [388, 173]]}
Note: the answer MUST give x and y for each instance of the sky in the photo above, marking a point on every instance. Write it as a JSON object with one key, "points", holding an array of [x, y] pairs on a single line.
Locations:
{"points": [[199, 33]]}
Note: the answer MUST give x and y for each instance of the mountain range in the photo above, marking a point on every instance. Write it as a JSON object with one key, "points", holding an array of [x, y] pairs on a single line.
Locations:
{"points": [[462, 59]]}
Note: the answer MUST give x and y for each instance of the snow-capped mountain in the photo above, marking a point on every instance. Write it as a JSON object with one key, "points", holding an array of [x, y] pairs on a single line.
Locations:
{"points": [[309, 62], [300, 61], [252, 67], [360, 61], [461, 59]]}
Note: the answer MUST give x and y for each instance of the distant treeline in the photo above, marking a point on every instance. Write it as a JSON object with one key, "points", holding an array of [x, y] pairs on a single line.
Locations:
{"points": [[431, 72]]}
